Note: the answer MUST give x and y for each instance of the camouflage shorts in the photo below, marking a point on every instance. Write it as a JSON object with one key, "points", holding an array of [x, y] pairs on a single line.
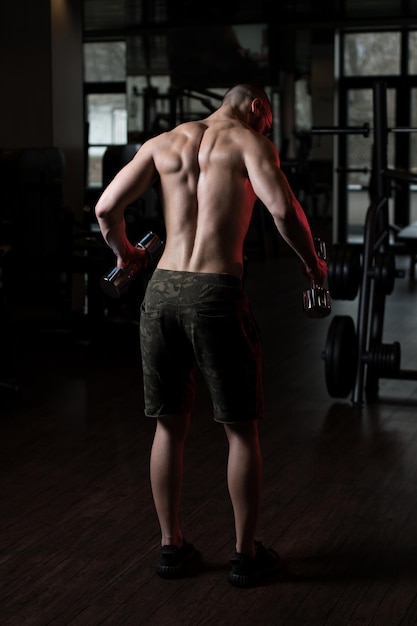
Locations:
{"points": [[205, 320]]}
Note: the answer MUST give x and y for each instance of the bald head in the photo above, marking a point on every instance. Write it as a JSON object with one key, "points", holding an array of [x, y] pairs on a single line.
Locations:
{"points": [[238, 93], [248, 97]]}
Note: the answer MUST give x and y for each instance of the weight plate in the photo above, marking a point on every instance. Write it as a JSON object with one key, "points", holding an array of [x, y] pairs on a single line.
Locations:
{"points": [[344, 272], [340, 355], [352, 272], [334, 273], [385, 272]]}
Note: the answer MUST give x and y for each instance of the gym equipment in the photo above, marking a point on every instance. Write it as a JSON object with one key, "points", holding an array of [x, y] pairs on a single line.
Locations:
{"points": [[316, 300], [345, 271], [117, 280], [340, 356], [408, 236], [356, 359]]}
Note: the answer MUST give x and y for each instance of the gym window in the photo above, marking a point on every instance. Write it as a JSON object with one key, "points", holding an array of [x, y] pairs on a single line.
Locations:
{"points": [[105, 102], [105, 61], [372, 54], [412, 52]]}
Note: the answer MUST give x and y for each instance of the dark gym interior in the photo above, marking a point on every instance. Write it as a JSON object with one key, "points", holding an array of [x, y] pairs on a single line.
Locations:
{"points": [[79, 535]]}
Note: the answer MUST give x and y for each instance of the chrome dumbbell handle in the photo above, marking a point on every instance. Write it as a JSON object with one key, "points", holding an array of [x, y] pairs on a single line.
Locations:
{"points": [[117, 280], [321, 248], [316, 300]]}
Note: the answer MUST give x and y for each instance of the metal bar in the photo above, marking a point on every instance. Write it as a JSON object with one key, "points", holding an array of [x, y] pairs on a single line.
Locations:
{"points": [[402, 175], [352, 170], [402, 129], [334, 130], [363, 305], [364, 130], [401, 375], [380, 137]]}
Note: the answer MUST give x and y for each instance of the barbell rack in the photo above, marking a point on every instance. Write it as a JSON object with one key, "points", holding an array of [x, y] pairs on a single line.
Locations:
{"points": [[356, 360]]}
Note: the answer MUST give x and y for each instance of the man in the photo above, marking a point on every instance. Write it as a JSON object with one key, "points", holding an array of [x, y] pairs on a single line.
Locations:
{"points": [[209, 174]]}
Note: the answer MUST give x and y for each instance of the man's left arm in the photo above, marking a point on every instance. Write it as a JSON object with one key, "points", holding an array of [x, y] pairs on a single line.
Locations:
{"points": [[128, 185]]}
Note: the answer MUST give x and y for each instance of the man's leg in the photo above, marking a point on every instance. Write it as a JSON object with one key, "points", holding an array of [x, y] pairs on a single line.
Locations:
{"points": [[251, 560], [244, 476], [166, 471]]}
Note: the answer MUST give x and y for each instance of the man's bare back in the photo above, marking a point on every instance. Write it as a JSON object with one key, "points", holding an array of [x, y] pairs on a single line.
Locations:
{"points": [[206, 195]]}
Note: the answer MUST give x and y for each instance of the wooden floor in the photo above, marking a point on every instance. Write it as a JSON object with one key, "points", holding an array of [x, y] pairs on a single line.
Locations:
{"points": [[79, 536]]}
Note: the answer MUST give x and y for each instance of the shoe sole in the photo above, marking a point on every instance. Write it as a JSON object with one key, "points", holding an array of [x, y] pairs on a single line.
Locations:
{"points": [[175, 571]]}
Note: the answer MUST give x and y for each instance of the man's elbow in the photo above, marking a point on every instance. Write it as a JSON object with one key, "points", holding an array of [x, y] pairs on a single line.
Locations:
{"points": [[103, 208], [282, 214]]}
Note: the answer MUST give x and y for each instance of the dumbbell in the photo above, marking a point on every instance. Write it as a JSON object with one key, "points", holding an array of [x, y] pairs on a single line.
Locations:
{"points": [[316, 300], [117, 281]]}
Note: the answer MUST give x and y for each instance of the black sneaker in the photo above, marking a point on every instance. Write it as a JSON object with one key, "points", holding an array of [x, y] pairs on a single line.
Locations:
{"points": [[173, 560], [247, 570]]}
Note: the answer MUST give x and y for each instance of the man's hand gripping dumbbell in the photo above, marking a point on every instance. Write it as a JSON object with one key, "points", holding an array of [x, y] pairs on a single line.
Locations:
{"points": [[117, 281], [316, 300]]}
